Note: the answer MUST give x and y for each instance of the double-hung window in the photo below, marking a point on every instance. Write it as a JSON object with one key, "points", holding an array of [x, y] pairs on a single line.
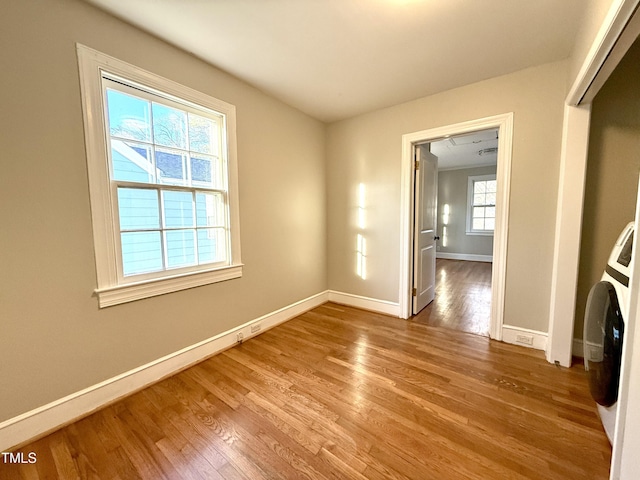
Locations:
{"points": [[481, 208], [163, 183]]}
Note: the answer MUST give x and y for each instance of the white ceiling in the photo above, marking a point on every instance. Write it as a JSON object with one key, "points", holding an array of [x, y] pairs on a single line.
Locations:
{"points": [[337, 58], [464, 151]]}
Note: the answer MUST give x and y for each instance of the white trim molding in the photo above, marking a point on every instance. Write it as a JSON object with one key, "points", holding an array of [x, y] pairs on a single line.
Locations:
{"points": [[469, 257], [524, 337], [568, 232], [504, 124], [365, 303], [108, 297], [47, 418]]}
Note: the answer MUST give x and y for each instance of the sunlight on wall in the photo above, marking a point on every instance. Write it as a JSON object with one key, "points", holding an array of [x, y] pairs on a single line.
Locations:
{"points": [[361, 242], [361, 257], [445, 221], [361, 209]]}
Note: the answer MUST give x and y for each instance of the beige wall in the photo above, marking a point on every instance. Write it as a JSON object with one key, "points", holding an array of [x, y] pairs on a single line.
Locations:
{"points": [[55, 340], [367, 149], [613, 164], [453, 191]]}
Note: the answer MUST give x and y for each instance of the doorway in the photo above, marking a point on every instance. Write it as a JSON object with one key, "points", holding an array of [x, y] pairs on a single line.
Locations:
{"points": [[503, 124], [454, 221]]}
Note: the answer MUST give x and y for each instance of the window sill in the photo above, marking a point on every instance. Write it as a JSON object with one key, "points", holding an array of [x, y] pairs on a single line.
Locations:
{"points": [[110, 296]]}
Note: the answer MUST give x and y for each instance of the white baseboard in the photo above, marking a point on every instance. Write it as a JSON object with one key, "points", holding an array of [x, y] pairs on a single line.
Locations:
{"points": [[517, 336], [42, 420], [471, 257], [577, 348], [372, 304]]}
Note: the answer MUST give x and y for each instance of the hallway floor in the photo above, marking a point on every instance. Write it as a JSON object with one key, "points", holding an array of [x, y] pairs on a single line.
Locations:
{"points": [[463, 297]]}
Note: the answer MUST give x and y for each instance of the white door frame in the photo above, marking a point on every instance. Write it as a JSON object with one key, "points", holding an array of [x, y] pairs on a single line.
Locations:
{"points": [[504, 124]]}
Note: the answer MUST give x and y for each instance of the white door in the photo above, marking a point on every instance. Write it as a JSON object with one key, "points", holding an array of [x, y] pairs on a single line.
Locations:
{"points": [[425, 211]]}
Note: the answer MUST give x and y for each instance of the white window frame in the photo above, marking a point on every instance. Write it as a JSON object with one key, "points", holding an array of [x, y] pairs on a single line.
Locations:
{"points": [[112, 287], [471, 180]]}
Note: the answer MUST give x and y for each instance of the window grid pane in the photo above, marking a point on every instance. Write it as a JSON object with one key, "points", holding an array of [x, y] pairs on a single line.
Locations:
{"points": [[203, 135], [480, 187], [138, 209], [154, 144], [195, 144], [129, 116], [181, 248], [478, 223], [132, 161], [212, 247], [147, 246], [210, 210], [177, 209], [169, 126], [483, 205], [141, 252]]}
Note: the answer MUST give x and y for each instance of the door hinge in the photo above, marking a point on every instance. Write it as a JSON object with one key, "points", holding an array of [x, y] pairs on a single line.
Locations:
{"points": [[414, 292], [417, 164]]}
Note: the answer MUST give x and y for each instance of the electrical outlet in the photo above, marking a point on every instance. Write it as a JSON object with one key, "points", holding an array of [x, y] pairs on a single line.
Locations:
{"points": [[256, 327], [240, 337], [524, 339]]}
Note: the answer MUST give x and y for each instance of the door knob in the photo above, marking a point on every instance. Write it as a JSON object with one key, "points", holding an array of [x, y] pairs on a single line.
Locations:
{"points": [[436, 238]]}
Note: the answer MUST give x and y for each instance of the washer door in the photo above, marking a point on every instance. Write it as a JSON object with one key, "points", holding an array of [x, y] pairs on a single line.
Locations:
{"points": [[603, 332]]}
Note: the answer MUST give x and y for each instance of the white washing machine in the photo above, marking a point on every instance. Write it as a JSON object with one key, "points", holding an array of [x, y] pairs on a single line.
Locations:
{"points": [[604, 325]]}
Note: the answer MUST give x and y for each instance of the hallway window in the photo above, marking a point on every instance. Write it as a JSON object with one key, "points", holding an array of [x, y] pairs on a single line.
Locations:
{"points": [[481, 205]]}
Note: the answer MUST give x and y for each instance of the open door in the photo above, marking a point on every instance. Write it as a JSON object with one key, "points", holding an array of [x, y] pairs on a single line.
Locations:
{"points": [[425, 211]]}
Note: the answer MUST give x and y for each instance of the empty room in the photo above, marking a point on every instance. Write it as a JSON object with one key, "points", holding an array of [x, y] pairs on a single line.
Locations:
{"points": [[229, 249]]}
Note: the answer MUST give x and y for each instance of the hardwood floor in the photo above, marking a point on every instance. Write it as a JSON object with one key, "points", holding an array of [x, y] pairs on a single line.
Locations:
{"points": [[339, 393], [463, 297]]}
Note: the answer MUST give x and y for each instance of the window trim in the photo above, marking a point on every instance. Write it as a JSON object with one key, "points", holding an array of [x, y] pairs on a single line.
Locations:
{"points": [[471, 180], [110, 290]]}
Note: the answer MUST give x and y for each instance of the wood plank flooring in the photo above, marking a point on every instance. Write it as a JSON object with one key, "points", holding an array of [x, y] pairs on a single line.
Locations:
{"points": [[462, 298], [339, 393]]}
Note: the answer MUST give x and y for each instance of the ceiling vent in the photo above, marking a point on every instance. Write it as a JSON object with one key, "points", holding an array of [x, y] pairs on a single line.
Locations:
{"points": [[487, 151]]}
